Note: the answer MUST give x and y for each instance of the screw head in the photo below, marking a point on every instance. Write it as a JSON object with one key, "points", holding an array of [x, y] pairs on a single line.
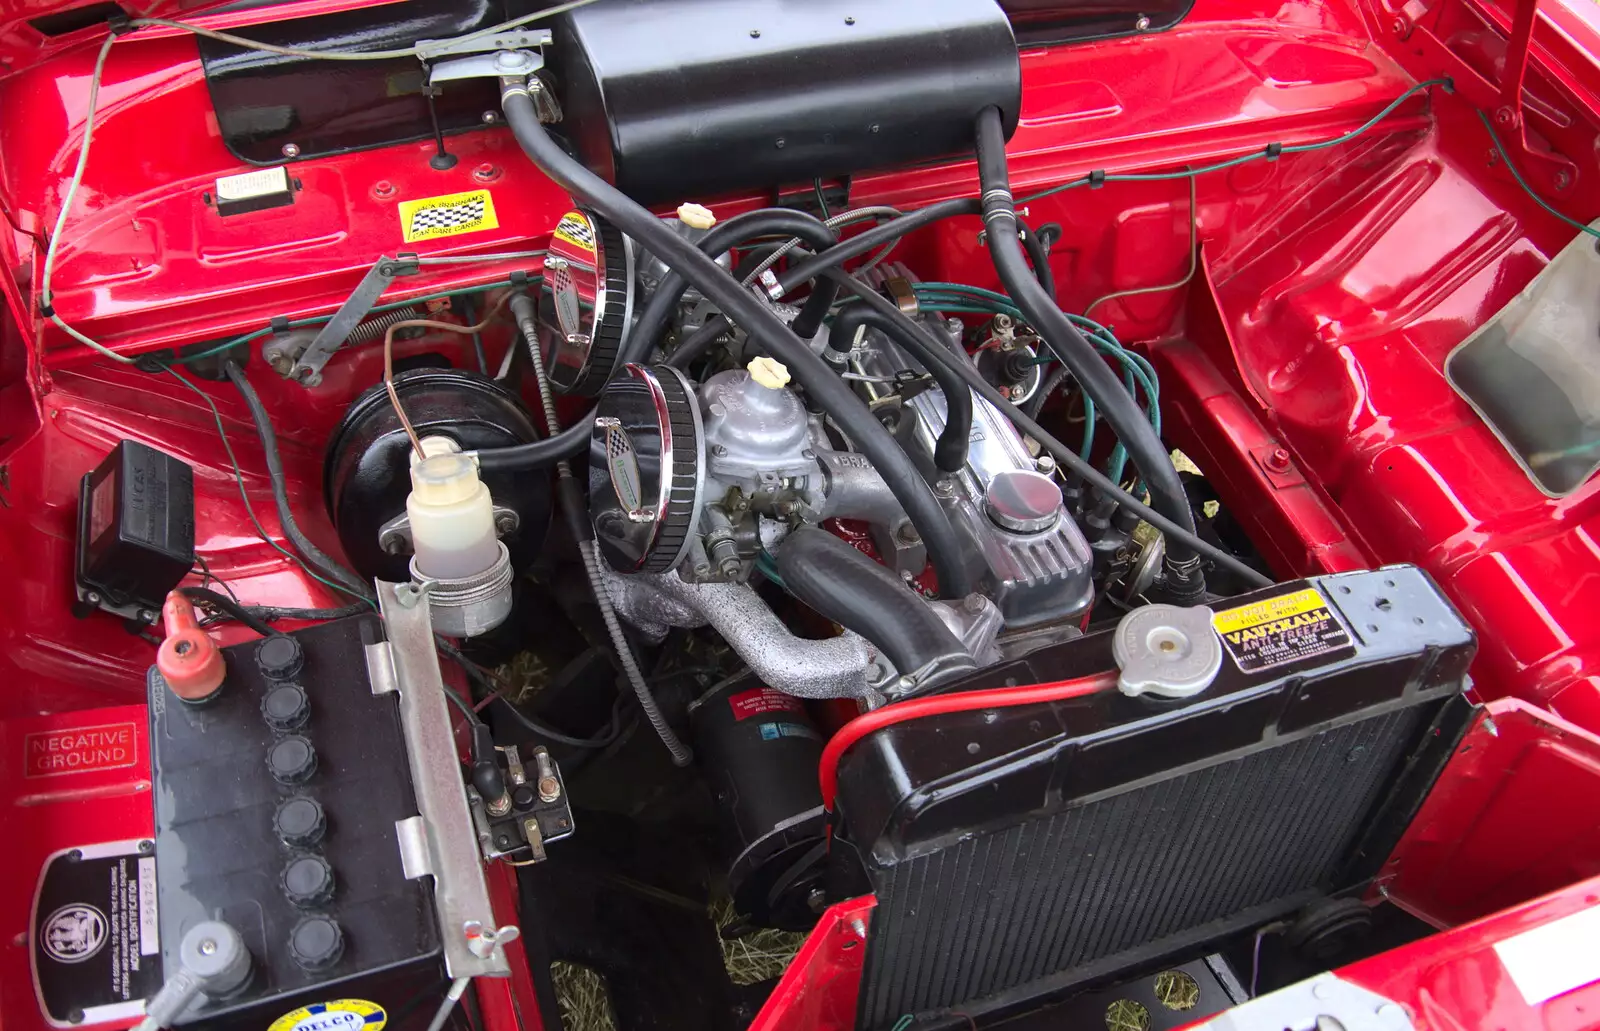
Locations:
{"points": [[208, 947], [1400, 25], [755, 33], [1142, 23], [1505, 116], [1278, 461], [849, 19], [291, 150], [491, 117], [1563, 179]]}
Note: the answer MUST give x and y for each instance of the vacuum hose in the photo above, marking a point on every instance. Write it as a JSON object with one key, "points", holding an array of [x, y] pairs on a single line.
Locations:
{"points": [[1185, 580], [811, 372]]}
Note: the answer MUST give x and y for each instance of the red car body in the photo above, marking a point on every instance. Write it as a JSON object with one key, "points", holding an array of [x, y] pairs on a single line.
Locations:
{"points": [[1302, 368]]}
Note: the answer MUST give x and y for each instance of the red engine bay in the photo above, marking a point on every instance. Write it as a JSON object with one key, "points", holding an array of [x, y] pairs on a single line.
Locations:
{"points": [[1304, 306]]}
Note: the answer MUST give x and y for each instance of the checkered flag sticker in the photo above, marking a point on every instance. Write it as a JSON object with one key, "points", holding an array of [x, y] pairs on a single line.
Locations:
{"points": [[432, 220], [432, 217], [576, 229]]}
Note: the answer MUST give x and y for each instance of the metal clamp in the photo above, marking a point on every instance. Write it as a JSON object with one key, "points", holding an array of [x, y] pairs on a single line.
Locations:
{"points": [[441, 840], [351, 313], [521, 39], [394, 537]]}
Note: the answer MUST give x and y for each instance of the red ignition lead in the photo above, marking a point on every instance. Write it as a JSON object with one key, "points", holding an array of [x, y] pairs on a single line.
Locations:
{"points": [[939, 705]]}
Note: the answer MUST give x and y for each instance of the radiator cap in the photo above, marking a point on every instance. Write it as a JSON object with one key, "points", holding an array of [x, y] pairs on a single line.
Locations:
{"points": [[1167, 651]]}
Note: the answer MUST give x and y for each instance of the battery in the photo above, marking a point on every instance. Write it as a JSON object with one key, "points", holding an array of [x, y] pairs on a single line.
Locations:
{"points": [[135, 530]]}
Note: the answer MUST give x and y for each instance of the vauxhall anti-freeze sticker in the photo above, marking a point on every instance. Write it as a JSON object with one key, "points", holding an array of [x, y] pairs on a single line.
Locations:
{"points": [[338, 1015], [449, 215], [1277, 631]]}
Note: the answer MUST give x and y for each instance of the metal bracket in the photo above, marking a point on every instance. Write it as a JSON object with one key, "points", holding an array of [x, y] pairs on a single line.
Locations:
{"points": [[521, 39], [351, 313], [1323, 1003], [394, 537], [505, 64], [441, 839]]}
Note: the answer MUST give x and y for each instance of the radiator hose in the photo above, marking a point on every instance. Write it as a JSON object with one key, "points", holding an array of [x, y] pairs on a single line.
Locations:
{"points": [[824, 388], [851, 589], [1184, 582]]}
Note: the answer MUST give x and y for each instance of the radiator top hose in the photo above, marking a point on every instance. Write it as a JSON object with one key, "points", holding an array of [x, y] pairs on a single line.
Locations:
{"points": [[851, 589]]}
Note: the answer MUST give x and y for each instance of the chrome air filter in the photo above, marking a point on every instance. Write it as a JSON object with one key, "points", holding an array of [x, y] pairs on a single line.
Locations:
{"points": [[646, 469], [586, 302]]}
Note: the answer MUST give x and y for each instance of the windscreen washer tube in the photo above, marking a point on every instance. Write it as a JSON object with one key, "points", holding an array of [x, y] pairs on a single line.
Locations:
{"points": [[811, 372], [1184, 579]]}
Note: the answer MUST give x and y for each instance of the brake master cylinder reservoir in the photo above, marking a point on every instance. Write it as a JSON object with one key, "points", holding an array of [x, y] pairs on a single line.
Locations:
{"points": [[456, 554], [452, 518]]}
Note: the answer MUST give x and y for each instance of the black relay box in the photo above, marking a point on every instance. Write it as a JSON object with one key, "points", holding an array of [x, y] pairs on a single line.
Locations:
{"points": [[276, 802], [135, 531]]}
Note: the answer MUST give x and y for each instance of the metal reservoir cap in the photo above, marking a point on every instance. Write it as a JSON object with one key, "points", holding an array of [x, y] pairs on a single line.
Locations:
{"points": [[1166, 651]]}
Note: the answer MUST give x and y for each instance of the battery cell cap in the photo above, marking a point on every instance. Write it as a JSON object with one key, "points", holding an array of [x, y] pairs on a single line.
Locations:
{"points": [[292, 760], [316, 943]]}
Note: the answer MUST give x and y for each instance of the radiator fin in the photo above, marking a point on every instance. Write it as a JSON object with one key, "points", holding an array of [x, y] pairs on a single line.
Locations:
{"points": [[1005, 908]]}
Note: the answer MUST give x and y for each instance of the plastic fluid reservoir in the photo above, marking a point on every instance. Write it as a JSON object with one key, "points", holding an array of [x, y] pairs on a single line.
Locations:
{"points": [[452, 515]]}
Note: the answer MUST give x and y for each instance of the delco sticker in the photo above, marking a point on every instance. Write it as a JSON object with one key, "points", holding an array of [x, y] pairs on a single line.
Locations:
{"points": [[1277, 631], [338, 1015], [450, 215]]}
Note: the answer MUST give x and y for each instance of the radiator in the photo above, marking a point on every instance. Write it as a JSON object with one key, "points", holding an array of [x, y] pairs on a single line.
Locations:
{"points": [[1093, 836]]}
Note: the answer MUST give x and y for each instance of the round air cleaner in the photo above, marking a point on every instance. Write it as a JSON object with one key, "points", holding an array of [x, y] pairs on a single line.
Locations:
{"points": [[646, 469], [586, 302]]}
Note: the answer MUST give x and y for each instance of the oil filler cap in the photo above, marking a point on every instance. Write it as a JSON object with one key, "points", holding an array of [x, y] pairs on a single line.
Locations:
{"points": [[1167, 651]]}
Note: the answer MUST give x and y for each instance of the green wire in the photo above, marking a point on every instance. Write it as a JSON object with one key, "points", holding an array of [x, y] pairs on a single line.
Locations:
{"points": [[1259, 155], [1501, 150], [238, 479], [317, 320]]}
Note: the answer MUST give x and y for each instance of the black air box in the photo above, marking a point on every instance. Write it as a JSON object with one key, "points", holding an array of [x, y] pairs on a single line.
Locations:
{"points": [[135, 529], [1020, 852], [682, 99]]}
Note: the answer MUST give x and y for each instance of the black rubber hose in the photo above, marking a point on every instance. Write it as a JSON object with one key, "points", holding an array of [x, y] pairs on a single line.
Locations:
{"points": [[314, 555], [859, 594], [950, 453], [226, 605], [1066, 456], [1038, 257], [825, 389], [1035, 404], [539, 454], [751, 225], [812, 267], [1185, 581]]}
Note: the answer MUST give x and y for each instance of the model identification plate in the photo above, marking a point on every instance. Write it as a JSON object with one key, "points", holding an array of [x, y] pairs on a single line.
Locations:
{"points": [[1277, 631]]}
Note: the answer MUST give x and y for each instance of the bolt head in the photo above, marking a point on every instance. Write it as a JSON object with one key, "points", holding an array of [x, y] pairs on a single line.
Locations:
{"points": [[394, 545], [1278, 460], [208, 947], [291, 150], [549, 789], [1563, 179], [1143, 23], [507, 60], [491, 117]]}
